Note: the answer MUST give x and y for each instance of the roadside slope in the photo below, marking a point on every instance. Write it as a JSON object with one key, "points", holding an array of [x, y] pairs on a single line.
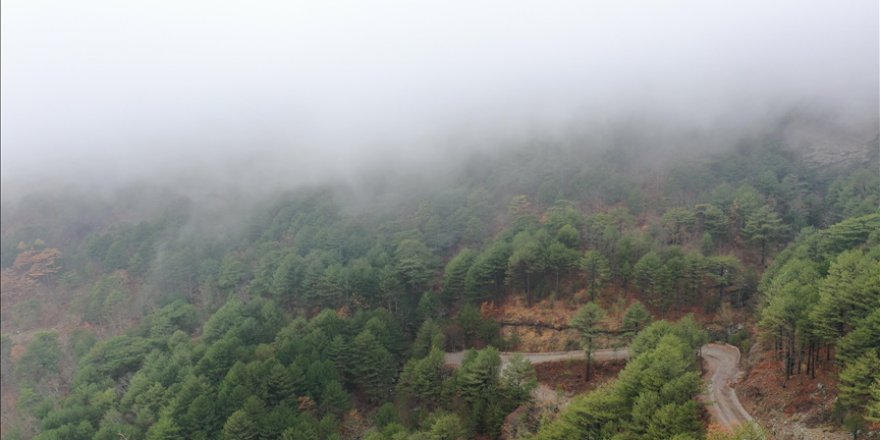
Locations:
{"points": [[721, 372]]}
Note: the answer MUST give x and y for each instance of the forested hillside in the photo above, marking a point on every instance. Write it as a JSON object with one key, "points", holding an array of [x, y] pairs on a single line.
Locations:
{"points": [[325, 311]]}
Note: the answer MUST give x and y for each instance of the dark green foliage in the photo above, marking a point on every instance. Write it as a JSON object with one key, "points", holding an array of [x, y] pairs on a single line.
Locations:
{"points": [[414, 263], [287, 277], [763, 227], [424, 378], [251, 372], [653, 397], [81, 341], [651, 277], [372, 366], [5, 357], [595, 268], [588, 322], [635, 319], [527, 261], [486, 276], [334, 399], [115, 357], [518, 379], [448, 427], [561, 259], [240, 426], [162, 323], [854, 194], [479, 385], [474, 329], [825, 290], [856, 380], [429, 336], [678, 223], [41, 357], [455, 275]]}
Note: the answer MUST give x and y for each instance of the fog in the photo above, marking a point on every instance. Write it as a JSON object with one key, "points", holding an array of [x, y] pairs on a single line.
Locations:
{"points": [[109, 92]]}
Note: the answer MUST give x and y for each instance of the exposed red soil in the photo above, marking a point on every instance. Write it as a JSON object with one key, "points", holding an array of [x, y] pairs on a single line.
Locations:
{"points": [[570, 375], [765, 388], [799, 408]]}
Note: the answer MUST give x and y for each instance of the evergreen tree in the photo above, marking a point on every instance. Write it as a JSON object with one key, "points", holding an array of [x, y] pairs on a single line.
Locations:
{"points": [[527, 260], [764, 227], [587, 321], [477, 378], [678, 223], [240, 426], [429, 336], [334, 399], [561, 259], [424, 377], [650, 276], [448, 427], [569, 236], [857, 379], [487, 273], [596, 269], [372, 366], [455, 275], [279, 385], [635, 319], [286, 278], [518, 379], [164, 429]]}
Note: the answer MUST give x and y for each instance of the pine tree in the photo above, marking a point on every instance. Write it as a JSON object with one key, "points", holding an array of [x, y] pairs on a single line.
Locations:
{"points": [[764, 227], [279, 385], [372, 366], [334, 399], [448, 427], [164, 429], [588, 322], [286, 278], [872, 411], [455, 275], [527, 260], [635, 319], [339, 353], [857, 379], [429, 336], [561, 259], [649, 275], [477, 378], [595, 267], [518, 380]]}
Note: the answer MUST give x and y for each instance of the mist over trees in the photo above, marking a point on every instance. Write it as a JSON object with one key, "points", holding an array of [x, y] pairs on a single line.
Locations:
{"points": [[334, 221], [315, 313]]}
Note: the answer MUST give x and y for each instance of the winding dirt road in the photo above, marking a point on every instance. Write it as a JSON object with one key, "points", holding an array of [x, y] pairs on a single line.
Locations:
{"points": [[722, 371]]}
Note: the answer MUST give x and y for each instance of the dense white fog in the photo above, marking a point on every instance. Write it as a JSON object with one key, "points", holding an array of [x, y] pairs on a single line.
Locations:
{"points": [[110, 91]]}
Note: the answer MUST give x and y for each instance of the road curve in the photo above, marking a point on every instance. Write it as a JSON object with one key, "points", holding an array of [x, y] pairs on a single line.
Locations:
{"points": [[722, 371]]}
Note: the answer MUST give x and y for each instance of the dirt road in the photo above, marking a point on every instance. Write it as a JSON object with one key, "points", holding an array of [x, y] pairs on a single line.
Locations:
{"points": [[605, 355], [722, 370]]}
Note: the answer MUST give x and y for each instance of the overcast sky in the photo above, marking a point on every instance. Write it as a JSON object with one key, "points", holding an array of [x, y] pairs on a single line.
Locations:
{"points": [[125, 89]]}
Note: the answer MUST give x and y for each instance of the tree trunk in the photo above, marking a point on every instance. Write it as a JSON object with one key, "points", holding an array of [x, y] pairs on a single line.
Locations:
{"points": [[763, 251], [809, 357], [528, 291], [589, 358]]}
